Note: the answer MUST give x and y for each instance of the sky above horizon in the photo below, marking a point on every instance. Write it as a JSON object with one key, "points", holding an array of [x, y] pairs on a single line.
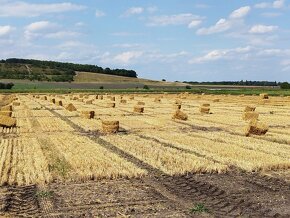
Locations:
{"points": [[180, 40]]}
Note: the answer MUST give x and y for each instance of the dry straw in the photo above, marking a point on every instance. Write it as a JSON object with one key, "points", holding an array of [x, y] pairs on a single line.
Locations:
{"points": [[16, 103], [59, 103], [6, 113], [111, 105], [89, 102], [6, 121], [70, 107], [251, 115], [204, 110], [179, 115], [177, 106], [139, 109], [249, 109], [88, 114], [264, 96], [110, 126], [256, 128], [6, 108]]}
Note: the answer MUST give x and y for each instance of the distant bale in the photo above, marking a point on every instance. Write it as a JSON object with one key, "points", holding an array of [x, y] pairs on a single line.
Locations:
{"points": [[112, 105], [59, 103], [113, 98], [131, 97], [100, 97], [81, 95], [251, 115], [157, 100], [249, 109], [204, 110], [110, 126], [6, 108], [70, 107], [123, 101], [6, 113], [216, 100], [139, 109], [177, 106], [89, 102], [178, 101], [75, 98], [6, 121], [179, 115], [88, 114], [205, 105], [141, 103], [264, 96], [256, 128], [53, 100], [44, 98], [16, 103]]}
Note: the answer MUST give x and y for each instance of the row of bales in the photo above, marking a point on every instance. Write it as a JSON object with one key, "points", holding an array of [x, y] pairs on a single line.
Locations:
{"points": [[7, 104], [254, 127], [107, 126]]}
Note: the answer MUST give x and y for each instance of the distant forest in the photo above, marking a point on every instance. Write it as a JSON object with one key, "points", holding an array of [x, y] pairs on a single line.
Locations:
{"points": [[15, 68], [239, 83]]}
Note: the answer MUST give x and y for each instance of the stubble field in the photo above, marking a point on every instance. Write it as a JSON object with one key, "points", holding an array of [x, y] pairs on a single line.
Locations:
{"points": [[58, 163]]}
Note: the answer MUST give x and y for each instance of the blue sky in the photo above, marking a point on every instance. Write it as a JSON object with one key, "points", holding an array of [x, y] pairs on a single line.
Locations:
{"points": [[205, 40]]}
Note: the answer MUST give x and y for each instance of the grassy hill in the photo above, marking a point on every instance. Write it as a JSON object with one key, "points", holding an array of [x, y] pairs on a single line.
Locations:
{"points": [[85, 77]]}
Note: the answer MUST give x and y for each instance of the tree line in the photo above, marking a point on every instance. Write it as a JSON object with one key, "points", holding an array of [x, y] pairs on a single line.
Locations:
{"points": [[70, 68], [239, 83]]}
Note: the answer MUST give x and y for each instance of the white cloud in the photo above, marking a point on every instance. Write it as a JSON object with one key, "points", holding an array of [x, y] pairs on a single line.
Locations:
{"points": [[279, 4], [225, 24], [271, 14], [177, 19], [62, 35], [133, 11], [260, 29], [40, 26], [100, 13], [5, 30], [23, 9], [152, 9], [276, 4], [240, 13], [40, 29], [221, 26], [194, 23], [127, 57], [219, 54]]}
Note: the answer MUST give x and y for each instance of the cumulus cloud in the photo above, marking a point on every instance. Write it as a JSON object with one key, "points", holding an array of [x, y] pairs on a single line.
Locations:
{"points": [[219, 54], [178, 19], [223, 24], [261, 29], [100, 13], [23, 9], [276, 4], [127, 57], [240, 13], [133, 11], [5, 30]]}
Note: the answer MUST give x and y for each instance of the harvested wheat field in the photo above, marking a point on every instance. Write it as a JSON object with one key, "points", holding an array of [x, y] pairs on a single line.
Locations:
{"points": [[82, 155]]}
